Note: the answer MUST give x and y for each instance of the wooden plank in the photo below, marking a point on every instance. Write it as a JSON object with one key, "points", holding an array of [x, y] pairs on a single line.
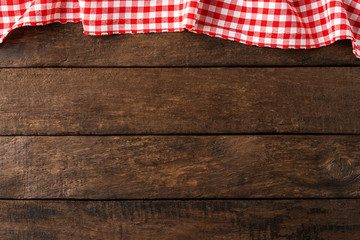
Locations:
{"points": [[66, 45], [259, 219], [178, 167], [179, 100]]}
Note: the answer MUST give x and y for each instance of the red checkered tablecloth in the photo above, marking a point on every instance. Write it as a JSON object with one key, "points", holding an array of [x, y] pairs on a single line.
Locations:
{"points": [[271, 23]]}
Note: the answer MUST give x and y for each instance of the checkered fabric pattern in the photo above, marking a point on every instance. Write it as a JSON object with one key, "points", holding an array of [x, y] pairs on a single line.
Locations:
{"points": [[271, 23]]}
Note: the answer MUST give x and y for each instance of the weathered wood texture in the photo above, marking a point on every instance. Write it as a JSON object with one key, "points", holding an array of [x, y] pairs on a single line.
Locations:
{"points": [[174, 167], [259, 219], [110, 101], [66, 45], [179, 100]]}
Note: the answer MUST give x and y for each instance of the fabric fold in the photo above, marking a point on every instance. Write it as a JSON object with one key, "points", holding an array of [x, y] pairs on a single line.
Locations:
{"points": [[265, 23], [118, 17]]}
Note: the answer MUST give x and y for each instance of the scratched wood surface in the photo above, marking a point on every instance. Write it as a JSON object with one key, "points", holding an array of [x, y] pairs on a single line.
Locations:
{"points": [[65, 45], [179, 100], [240, 219], [176, 136], [180, 167]]}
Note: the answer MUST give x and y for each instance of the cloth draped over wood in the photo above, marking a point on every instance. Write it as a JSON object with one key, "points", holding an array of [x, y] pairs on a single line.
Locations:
{"points": [[265, 23]]}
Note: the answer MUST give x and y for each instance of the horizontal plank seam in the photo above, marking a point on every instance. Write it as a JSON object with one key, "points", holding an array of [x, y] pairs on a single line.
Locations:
{"points": [[167, 67], [183, 134], [178, 199]]}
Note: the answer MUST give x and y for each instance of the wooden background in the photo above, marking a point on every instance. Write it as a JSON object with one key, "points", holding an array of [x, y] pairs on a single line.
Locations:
{"points": [[176, 136]]}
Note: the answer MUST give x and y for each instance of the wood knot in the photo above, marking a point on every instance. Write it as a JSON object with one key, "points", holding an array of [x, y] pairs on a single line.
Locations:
{"points": [[339, 168]]}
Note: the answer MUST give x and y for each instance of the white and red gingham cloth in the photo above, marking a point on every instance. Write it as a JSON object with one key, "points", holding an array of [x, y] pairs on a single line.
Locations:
{"points": [[272, 23]]}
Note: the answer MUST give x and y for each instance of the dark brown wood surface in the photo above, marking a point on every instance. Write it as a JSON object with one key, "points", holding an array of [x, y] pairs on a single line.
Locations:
{"points": [[66, 45], [196, 138], [179, 100], [253, 220], [180, 167]]}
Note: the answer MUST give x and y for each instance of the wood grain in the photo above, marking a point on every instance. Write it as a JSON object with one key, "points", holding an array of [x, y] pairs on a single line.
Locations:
{"points": [[258, 219], [179, 167], [66, 45], [179, 100], [156, 101]]}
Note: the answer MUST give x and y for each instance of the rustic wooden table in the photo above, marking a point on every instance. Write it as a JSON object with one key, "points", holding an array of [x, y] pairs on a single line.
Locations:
{"points": [[176, 136]]}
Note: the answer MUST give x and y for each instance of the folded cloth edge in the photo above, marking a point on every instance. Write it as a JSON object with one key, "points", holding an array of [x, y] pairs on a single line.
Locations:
{"points": [[189, 20]]}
